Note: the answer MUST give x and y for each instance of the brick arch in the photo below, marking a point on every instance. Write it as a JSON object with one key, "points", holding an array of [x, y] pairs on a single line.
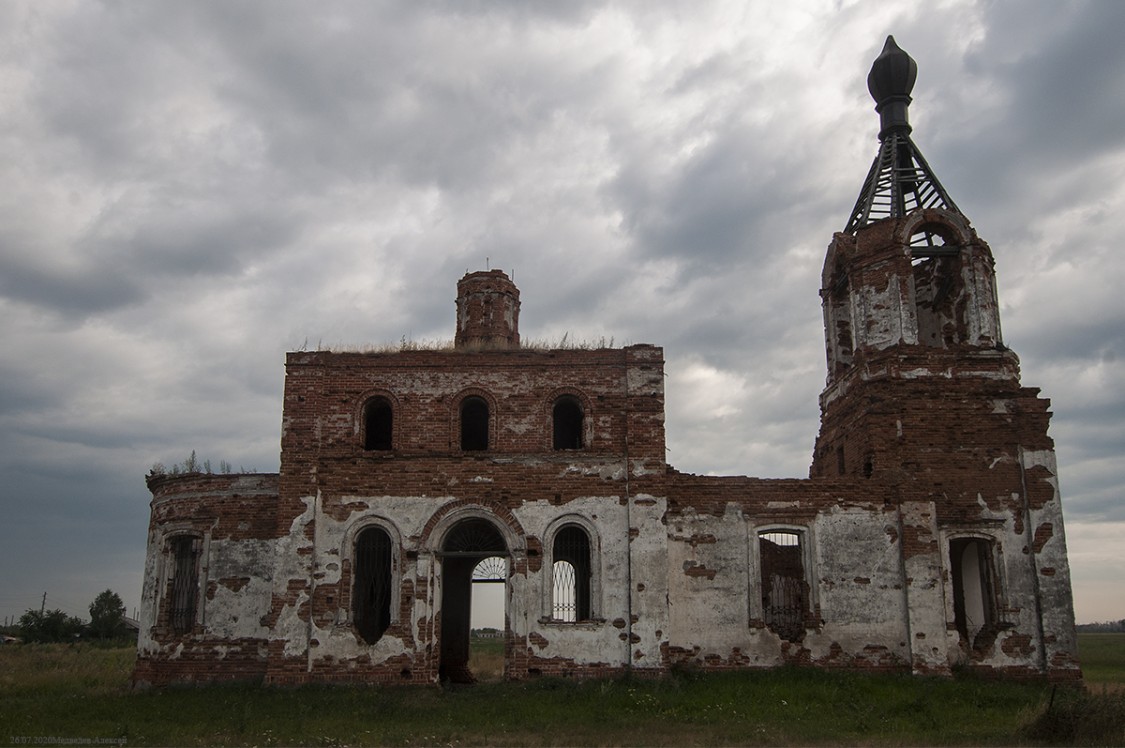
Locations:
{"points": [[447, 517], [455, 416], [952, 227], [548, 407], [359, 417]]}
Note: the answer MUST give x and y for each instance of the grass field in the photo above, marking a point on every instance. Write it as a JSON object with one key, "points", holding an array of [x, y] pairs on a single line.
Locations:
{"points": [[78, 694]]}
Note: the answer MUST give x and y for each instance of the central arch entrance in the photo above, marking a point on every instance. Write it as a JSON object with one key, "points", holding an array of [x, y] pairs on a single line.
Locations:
{"points": [[466, 545]]}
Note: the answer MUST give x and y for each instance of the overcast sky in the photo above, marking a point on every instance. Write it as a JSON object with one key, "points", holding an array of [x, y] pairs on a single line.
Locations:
{"points": [[191, 189]]}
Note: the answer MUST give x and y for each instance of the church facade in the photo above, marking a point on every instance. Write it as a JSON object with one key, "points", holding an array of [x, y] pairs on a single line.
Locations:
{"points": [[927, 537]]}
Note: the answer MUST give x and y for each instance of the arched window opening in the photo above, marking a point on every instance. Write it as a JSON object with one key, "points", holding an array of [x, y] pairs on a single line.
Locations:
{"points": [[568, 421], [785, 593], [475, 536], [378, 424], [491, 570], [474, 424], [931, 239], [185, 551], [974, 596], [371, 590], [938, 287], [570, 572]]}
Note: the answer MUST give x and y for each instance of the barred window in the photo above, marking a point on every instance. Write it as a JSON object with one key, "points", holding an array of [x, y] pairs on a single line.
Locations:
{"points": [[785, 593], [570, 599], [371, 589], [185, 551]]}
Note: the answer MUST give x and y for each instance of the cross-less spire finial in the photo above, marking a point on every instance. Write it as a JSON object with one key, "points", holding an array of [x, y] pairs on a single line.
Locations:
{"points": [[900, 180], [890, 82]]}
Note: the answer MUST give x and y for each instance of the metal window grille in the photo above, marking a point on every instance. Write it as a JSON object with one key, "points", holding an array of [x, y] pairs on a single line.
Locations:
{"points": [[490, 570], [474, 536], [565, 606], [570, 571], [371, 596], [185, 551], [784, 590]]}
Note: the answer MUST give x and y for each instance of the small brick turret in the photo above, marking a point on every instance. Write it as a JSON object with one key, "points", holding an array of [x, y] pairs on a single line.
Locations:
{"points": [[488, 311]]}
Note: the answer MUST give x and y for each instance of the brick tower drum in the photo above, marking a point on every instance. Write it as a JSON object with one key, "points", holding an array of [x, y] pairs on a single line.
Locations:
{"points": [[488, 311]]}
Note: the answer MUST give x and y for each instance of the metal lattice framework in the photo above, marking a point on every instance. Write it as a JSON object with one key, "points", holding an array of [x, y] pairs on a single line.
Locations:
{"points": [[491, 569], [475, 537], [900, 182]]}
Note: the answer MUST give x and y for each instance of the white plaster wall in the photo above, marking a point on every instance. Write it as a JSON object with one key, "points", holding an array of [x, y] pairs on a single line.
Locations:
{"points": [[885, 321], [237, 614], [1056, 597], [582, 643], [150, 591], [711, 614], [407, 516], [858, 582], [648, 561]]}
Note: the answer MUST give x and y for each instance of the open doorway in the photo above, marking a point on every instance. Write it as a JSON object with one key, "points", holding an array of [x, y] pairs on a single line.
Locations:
{"points": [[486, 636], [471, 545], [974, 592]]}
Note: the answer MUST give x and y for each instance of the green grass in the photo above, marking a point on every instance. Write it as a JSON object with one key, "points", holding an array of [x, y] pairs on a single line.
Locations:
{"points": [[80, 692], [1103, 658]]}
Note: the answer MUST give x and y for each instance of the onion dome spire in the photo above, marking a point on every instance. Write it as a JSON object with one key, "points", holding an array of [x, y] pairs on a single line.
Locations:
{"points": [[900, 180]]}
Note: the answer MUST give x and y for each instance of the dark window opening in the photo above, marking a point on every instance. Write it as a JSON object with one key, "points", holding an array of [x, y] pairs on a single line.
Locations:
{"points": [[371, 591], [785, 592], [474, 424], [567, 418], [185, 551], [378, 424], [974, 595], [570, 599], [475, 535], [938, 288], [841, 339], [841, 465]]}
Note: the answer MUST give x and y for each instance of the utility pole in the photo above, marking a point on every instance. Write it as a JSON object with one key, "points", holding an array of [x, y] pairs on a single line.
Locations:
{"points": [[43, 606]]}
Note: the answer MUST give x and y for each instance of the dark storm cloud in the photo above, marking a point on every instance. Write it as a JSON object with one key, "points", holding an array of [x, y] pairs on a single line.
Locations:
{"points": [[72, 291]]}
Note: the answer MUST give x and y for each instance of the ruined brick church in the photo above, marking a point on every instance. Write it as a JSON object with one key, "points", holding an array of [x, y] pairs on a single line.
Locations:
{"points": [[927, 537]]}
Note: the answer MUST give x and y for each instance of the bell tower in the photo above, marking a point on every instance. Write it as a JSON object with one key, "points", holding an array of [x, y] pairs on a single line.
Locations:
{"points": [[923, 401], [908, 292]]}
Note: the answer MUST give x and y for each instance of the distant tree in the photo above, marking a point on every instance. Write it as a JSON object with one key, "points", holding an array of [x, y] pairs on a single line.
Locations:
{"points": [[49, 626], [107, 616]]}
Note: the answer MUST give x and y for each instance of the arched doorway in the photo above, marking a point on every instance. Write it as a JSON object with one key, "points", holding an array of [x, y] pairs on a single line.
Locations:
{"points": [[466, 545]]}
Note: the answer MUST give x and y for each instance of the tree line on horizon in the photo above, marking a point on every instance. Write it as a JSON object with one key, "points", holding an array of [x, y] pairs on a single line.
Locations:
{"points": [[1104, 627], [107, 623]]}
